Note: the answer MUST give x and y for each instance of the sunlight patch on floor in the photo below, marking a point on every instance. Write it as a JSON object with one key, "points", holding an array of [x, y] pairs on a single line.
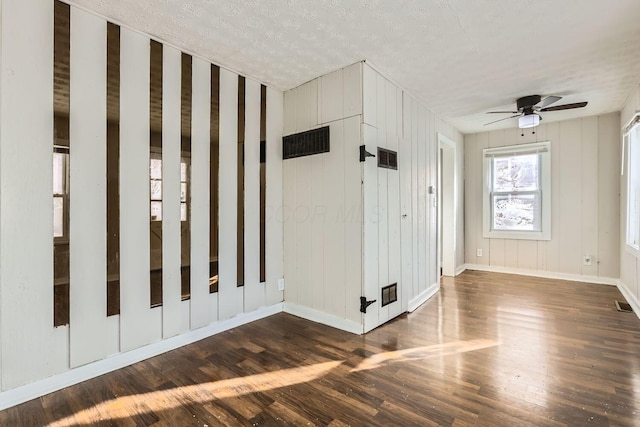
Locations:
{"points": [[123, 407], [418, 353]]}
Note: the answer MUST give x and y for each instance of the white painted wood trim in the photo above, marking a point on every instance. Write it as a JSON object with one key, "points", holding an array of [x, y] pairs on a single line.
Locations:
{"points": [[74, 376], [545, 274], [630, 297], [423, 297], [460, 269], [323, 318]]}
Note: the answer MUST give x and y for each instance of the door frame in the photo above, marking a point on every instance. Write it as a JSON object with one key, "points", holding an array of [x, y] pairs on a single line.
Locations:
{"points": [[447, 201]]}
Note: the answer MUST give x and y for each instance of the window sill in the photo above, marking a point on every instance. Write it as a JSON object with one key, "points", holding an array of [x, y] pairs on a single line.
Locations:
{"points": [[517, 235]]}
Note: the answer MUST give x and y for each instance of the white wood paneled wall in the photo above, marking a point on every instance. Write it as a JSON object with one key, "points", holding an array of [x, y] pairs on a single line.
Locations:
{"points": [[389, 118], [629, 264], [585, 163], [31, 348], [322, 202]]}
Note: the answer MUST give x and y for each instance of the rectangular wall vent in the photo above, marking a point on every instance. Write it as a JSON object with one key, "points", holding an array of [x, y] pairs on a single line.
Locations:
{"points": [[307, 143], [387, 159], [389, 294]]}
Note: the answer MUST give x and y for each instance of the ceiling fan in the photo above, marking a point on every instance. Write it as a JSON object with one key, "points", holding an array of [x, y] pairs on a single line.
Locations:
{"points": [[529, 108]]}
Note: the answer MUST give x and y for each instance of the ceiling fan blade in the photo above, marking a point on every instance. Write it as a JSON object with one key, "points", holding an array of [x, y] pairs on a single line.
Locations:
{"points": [[506, 118], [502, 112], [547, 101], [566, 106]]}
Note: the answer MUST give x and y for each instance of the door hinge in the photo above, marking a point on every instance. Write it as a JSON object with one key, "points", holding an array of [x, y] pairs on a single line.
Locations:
{"points": [[364, 153], [364, 304]]}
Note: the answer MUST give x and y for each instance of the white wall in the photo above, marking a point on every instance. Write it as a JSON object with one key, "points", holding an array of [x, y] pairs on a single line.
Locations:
{"points": [[629, 264], [585, 162], [358, 95], [31, 348], [322, 208]]}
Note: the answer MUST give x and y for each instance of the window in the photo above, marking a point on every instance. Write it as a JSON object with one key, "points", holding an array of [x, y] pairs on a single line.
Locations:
{"points": [[155, 180], [632, 141], [60, 192], [517, 202]]}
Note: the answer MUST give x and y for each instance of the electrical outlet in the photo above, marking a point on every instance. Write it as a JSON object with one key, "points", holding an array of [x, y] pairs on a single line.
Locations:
{"points": [[587, 259], [281, 284], [478, 252]]}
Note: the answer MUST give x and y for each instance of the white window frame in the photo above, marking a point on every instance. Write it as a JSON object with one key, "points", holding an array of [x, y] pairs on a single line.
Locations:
{"points": [[544, 150], [631, 140]]}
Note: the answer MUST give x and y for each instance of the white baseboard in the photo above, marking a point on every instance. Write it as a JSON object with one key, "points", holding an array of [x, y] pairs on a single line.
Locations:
{"points": [[545, 274], [39, 388], [630, 297], [423, 296], [324, 318], [460, 269]]}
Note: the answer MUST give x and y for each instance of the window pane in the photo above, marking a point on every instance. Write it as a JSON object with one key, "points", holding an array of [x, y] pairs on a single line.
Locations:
{"points": [[516, 212], [58, 173], [183, 211], [516, 173], [58, 217], [156, 189], [156, 211], [155, 168]]}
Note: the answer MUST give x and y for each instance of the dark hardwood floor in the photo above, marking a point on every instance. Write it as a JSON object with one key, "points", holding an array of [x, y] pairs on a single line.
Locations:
{"points": [[488, 350]]}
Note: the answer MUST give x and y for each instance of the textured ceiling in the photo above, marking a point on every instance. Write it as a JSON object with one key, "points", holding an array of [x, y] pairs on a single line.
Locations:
{"points": [[460, 58]]}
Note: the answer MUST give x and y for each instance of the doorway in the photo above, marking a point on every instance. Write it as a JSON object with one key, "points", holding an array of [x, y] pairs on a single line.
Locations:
{"points": [[447, 206]]}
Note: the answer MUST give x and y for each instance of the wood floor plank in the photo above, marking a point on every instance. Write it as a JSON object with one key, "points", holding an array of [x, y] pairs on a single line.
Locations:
{"points": [[487, 350]]}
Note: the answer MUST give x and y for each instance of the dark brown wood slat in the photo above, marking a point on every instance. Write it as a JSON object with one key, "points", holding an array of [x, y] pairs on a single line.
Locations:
{"points": [[558, 354]]}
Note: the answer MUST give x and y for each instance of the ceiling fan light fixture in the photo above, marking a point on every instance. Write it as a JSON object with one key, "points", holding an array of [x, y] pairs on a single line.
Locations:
{"points": [[528, 121]]}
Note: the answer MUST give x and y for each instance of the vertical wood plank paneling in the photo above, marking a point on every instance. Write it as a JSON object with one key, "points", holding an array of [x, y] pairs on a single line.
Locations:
{"points": [[390, 107], [527, 254], [399, 110], [318, 216], [473, 184], [352, 217], [331, 89], [199, 313], [570, 258], [433, 274], [290, 241], [383, 225], [406, 218], [553, 245], [609, 236], [481, 242], [26, 277], [334, 256], [369, 99], [589, 191], [370, 226], [87, 134], [302, 212], [229, 295], [275, 205], [381, 104], [394, 245], [414, 197], [352, 76], [289, 113], [303, 107], [422, 200], [171, 152], [138, 324], [314, 103], [254, 294], [511, 253]]}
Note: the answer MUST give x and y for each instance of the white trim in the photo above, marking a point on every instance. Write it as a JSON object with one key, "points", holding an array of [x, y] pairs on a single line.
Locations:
{"points": [[39, 388], [416, 302], [445, 143], [631, 299], [461, 269], [324, 318], [545, 274]]}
